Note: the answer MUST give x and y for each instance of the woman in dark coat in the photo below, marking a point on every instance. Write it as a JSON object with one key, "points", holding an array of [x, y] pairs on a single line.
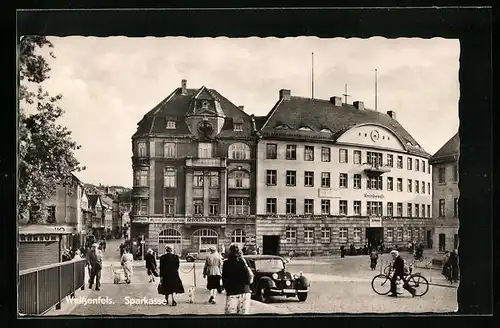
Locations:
{"points": [[453, 266], [151, 265], [236, 279], [170, 281]]}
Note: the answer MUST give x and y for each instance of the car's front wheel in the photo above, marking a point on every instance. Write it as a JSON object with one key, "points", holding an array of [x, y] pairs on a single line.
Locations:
{"points": [[189, 259], [263, 294], [302, 297]]}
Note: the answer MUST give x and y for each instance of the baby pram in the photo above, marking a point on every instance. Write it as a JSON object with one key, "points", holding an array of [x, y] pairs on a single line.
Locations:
{"points": [[119, 276]]}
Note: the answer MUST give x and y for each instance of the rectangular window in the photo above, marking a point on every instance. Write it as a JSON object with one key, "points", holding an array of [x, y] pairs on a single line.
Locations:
{"points": [[169, 178], [291, 206], [238, 206], [342, 155], [291, 152], [423, 166], [400, 162], [308, 179], [417, 186], [291, 235], [141, 149], [390, 183], [455, 207], [238, 126], [423, 211], [343, 207], [455, 172], [429, 214], [141, 178], [374, 183], [308, 235], [417, 165], [409, 210], [409, 164], [373, 158], [325, 206], [390, 235], [390, 210], [423, 187], [357, 207], [291, 178], [271, 206], [325, 154], [271, 177], [442, 175], [400, 184], [417, 210], [409, 185], [214, 180], [309, 153], [239, 179], [143, 206], [343, 180], [51, 215], [308, 206], [390, 160], [213, 208], [357, 181], [271, 151], [325, 179], [198, 206], [441, 208], [399, 209], [169, 150], [399, 234], [357, 235], [198, 179], [343, 235], [204, 150], [325, 235], [374, 208], [357, 157], [429, 169]]}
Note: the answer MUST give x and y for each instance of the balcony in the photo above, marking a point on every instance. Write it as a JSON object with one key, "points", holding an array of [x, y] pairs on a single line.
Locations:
{"points": [[140, 161], [206, 162], [375, 169]]}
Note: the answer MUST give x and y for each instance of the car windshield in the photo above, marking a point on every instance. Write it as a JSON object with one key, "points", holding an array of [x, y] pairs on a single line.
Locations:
{"points": [[269, 265]]}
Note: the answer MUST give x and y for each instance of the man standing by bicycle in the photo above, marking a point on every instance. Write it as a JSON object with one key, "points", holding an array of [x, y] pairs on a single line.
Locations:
{"points": [[399, 272]]}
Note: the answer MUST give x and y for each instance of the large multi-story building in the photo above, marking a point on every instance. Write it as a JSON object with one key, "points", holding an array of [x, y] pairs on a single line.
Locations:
{"points": [[332, 174], [194, 162], [445, 194]]}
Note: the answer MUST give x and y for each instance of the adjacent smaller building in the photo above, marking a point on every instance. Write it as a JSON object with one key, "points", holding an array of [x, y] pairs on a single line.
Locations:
{"points": [[445, 195]]}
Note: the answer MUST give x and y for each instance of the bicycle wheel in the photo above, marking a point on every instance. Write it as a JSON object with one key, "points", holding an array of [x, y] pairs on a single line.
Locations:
{"points": [[381, 284], [388, 270], [419, 283]]}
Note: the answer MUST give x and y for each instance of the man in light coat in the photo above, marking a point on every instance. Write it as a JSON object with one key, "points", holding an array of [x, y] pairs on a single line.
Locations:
{"points": [[213, 272]]}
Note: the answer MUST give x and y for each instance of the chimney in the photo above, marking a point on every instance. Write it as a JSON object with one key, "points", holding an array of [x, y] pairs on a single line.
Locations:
{"points": [[285, 94], [392, 114], [359, 105], [336, 101], [242, 108], [184, 87]]}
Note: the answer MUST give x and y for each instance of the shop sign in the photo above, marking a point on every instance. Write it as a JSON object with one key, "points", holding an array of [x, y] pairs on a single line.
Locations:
{"points": [[375, 222], [374, 196], [157, 220], [205, 220]]}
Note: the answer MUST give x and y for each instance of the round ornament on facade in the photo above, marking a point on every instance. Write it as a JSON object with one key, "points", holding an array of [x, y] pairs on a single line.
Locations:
{"points": [[374, 135]]}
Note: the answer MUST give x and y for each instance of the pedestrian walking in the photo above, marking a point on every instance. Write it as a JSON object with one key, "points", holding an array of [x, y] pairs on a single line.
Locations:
{"points": [[236, 280], [342, 251], [170, 282], [373, 259], [94, 261], [151, 265], [453, 266], [127, 262], [212, 272], [399, 272], [103, 245]]}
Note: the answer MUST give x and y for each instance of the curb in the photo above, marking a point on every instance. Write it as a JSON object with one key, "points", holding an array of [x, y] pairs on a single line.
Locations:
{"points": [[443, 285]]}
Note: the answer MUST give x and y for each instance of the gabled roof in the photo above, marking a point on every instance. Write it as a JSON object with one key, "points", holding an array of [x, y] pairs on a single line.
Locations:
{"points": [[449, 151], [321, 114], [93, 198], [177, 105]]}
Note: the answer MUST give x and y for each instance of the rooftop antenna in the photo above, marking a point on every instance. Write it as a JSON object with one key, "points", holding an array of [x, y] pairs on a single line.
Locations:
{"points": [[376, 100], [346, 94], [312, 75]]}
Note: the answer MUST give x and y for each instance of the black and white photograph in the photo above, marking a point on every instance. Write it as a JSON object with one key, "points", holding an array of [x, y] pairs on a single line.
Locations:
{"points": [[219, 176]]}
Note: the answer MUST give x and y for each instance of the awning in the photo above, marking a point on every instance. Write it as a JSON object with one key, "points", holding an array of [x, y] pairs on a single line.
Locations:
{"points": [[37, 229]]}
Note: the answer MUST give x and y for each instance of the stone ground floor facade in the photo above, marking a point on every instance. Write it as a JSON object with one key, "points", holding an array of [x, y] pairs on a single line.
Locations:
{"points": [[446, 238], [325, 235]]}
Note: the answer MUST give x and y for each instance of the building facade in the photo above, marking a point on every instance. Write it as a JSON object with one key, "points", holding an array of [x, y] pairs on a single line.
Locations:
{"points": [[446, 195], [194, 172], [332, 174]]}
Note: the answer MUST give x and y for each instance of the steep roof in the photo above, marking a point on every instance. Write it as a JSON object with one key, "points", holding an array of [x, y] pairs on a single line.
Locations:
{"points": [[319, 114], [176, 106], [92, 199], [449, 151]]}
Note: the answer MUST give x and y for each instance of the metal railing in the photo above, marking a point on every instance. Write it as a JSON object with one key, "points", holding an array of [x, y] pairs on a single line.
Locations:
{"points": [[42, 288]]}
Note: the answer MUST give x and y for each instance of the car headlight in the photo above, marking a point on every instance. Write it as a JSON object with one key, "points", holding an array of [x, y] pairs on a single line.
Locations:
{"points": [[295, 276], [275, 276], [288, 283]]}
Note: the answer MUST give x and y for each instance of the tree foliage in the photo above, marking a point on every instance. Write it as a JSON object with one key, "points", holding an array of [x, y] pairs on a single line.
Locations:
{"points": [[46, 150]]}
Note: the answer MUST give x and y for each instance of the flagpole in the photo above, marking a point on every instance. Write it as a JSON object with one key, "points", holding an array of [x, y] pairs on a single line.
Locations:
{"points": [[376, 100], [312, 75]]}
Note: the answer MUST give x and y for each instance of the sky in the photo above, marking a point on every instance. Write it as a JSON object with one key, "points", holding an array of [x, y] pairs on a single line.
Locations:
{"points": [[108, 84]]}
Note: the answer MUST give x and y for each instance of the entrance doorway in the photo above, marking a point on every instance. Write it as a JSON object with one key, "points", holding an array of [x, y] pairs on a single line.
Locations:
{"points": [[375, 236], [270, 244], [206, 238], [442, 242], [455, 241], [429, 239], [172, 238]]}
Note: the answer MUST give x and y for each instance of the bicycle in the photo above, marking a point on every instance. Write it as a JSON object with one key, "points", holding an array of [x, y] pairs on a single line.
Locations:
{"points": [[381, 283]]}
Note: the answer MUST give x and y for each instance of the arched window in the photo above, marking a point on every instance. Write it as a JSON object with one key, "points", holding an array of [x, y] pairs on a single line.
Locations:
{"points": [[238, 236], [239, 179], [205, 233], [205, 238], [172, 238], [239, 151]]}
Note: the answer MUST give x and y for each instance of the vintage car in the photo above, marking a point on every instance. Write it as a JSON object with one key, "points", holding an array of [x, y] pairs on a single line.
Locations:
{"points": [[200, 255], [272, 279]]}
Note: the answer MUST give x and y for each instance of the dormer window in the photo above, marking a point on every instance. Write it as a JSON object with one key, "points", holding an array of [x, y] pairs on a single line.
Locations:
{"points": [[325, 130], [204, 105], [170, 124], [282, 127], [305, 128], [238, 126]]}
